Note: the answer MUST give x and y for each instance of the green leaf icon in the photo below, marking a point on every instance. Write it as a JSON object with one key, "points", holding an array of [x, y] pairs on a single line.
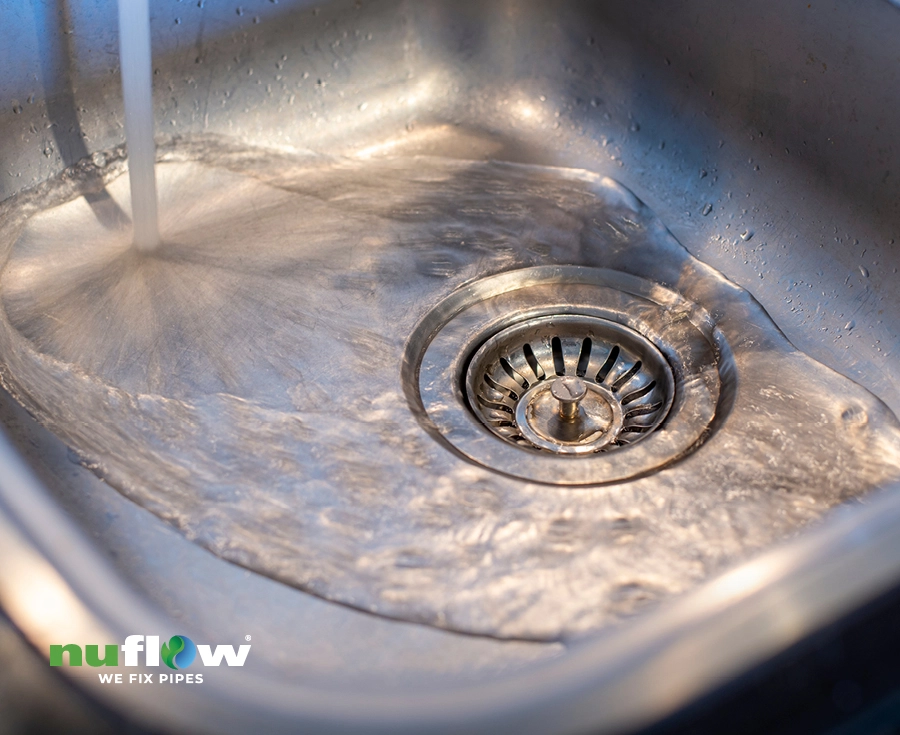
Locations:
{"points": [[171, 649]]}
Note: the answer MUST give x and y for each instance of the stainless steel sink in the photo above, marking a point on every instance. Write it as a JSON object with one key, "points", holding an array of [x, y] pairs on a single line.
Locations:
{"points": [[764, 138]]}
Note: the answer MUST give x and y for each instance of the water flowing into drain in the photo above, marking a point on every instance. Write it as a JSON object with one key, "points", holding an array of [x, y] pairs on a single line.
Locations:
{"points": [[262, 382]]}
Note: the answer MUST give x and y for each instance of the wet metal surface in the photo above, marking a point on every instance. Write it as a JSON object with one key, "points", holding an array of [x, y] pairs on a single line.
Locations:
{"points": [[249, 383]]}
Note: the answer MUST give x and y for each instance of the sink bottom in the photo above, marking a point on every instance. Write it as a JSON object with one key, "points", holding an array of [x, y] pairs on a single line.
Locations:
{"points": [[255, 382]]}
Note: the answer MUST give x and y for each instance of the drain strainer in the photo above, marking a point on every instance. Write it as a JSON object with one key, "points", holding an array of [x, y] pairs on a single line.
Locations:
{"points": [[567, 375], [569, 384]]}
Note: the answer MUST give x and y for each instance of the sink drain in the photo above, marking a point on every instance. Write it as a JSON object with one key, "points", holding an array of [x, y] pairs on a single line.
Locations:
{"points": [[569, 384], [567, 375]]}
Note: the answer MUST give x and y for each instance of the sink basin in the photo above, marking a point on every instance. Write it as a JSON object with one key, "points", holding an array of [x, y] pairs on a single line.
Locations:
{"points": [[766, 149]]}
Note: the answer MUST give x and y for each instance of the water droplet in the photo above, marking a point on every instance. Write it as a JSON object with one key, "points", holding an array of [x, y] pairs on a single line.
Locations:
{"points": [[864, 271], [849, 325], [707, 209], [239, 10], [256, 19], [178, 21], [746, 235], [635, 127], [363, 106], [48, 151]]}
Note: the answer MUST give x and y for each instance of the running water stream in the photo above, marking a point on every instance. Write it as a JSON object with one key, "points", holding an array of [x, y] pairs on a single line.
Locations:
{"points": [[137, 76]]}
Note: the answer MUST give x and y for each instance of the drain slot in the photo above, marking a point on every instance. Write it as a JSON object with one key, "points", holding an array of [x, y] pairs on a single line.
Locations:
{"points": [[532, 361], [584, 358], [608, 365]]}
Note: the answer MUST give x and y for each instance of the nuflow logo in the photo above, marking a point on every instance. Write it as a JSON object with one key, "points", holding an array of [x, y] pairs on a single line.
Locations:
{"points": [[177, 653]]}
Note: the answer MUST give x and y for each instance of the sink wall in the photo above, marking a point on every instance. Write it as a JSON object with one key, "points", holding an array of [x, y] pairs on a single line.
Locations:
{"points": [[778, 117]]}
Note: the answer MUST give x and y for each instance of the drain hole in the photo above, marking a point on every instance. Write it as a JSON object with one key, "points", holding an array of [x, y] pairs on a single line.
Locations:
{"points": [[639, 393], [635, 429], [494, 406], [558, 362], [609, 364], [502, 389], [564, 370], [642, 410], [584, 358], [574, 411], [512, 373], [632, 371], [533, 362]]}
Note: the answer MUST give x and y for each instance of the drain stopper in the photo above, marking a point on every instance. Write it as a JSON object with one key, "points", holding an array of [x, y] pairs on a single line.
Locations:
{"points": [[569, 384], [569, 392], [569, 416]]}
